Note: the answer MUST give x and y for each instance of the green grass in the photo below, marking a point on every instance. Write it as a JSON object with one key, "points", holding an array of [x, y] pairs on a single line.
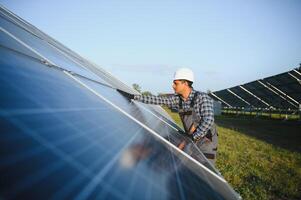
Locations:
{"points": [[261, 159]]}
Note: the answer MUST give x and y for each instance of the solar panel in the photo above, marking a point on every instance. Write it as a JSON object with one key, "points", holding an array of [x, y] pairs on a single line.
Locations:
{"points": [[268, 95], [289, 85], [282, 91], [145, 116], [230, 98], [67, 133], [9, 42], [44, 49], [248, 96]]}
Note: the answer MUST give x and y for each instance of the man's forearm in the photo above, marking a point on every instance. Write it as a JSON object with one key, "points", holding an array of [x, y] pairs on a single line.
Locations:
{"points": [[151, 99]]}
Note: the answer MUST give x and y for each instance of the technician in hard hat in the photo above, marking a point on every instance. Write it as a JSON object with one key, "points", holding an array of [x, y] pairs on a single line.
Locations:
{"points": [[195, 109]]}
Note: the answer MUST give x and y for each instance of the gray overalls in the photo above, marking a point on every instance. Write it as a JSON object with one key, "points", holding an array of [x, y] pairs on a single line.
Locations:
{"points": [[189, 118]]}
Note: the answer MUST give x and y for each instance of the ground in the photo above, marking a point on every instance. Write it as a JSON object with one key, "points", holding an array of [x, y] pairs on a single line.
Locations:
{"points": [[260, 158]]}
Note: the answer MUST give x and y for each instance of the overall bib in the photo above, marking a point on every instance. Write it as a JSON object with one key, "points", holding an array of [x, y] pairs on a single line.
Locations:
{"points": [[190, 119]]}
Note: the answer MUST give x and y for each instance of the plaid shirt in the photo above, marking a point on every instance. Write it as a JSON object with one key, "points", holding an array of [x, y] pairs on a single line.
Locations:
{"points": [[203, 107]]}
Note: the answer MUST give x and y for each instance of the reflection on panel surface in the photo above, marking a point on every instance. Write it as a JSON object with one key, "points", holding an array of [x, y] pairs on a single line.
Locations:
{"points": [[65, 136], [55, 132], [144, 115], [8, 42], [45, 49]]}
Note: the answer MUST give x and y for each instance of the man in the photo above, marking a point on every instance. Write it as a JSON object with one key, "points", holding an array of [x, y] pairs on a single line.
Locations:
{"points": [[195, 110]]}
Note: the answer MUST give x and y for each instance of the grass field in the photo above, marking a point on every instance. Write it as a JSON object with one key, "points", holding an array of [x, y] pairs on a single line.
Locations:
{"points": [[261, 159]]}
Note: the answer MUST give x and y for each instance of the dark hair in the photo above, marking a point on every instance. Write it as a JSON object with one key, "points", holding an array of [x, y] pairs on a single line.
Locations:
{"points": [[189, 83]]}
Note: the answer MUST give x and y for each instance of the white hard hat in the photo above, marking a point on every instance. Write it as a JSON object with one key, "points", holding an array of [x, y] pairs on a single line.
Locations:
{"points": [[184, 74]]}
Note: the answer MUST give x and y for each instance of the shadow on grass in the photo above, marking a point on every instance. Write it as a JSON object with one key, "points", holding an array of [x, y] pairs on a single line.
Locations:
{"points": [[284, 134]]}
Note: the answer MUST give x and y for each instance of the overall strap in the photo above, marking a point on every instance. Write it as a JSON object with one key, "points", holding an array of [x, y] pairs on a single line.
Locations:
{"points": [[180, 102], [193, 99], [191, 103]]}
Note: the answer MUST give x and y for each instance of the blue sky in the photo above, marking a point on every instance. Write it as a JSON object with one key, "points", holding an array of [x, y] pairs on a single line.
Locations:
{"points": [[225, 43]]}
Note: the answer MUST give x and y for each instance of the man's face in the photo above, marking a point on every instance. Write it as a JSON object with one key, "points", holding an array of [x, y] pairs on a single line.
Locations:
{"points": [[179, 86]]}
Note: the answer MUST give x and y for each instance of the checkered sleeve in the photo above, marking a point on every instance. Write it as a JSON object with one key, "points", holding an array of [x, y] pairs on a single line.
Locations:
{"points": [[169, 101], [206, 113]]}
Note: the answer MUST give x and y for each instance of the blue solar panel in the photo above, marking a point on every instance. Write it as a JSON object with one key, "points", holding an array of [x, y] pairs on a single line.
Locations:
{"points": [[9, 42], [287, 84], [230, 98], [282, 91], [45, 49], [53, 138], [142, 113], [65, 136]]}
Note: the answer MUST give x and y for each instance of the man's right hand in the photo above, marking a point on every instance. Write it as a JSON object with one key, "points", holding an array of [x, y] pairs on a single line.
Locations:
{"points": [[125, 94]]}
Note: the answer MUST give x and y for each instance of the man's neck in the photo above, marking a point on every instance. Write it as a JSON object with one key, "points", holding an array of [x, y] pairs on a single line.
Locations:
{"points": [[186, 93]]}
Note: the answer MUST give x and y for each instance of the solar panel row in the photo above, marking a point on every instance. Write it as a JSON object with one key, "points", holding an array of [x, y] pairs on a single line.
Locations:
{"points": [[67, 133], [282, 91]]}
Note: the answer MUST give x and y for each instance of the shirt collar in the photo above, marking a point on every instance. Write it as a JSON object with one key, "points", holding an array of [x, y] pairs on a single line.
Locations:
{"points": [[191, 95]]}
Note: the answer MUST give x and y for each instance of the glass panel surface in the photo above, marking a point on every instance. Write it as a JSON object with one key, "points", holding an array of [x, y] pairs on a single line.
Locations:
{"points": [[60, 141], [142, 114], [46, 50], [9, 42]]}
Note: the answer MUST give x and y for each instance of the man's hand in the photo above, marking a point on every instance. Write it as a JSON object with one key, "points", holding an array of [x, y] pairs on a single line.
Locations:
{"points": [[182, 145], [206, 140], [202, 140], [125, 94]]}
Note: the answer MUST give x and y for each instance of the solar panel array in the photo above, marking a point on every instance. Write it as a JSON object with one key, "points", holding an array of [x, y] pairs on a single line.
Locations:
{"points": [[66, 133], [282, 91]]}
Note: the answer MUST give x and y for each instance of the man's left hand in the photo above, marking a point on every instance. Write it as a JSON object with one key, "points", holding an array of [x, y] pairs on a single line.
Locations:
{"points": [[125, 94]]}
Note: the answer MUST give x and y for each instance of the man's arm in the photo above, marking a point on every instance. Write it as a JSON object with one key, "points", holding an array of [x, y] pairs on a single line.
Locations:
{"points": [[170, 101], [206, 113]]}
